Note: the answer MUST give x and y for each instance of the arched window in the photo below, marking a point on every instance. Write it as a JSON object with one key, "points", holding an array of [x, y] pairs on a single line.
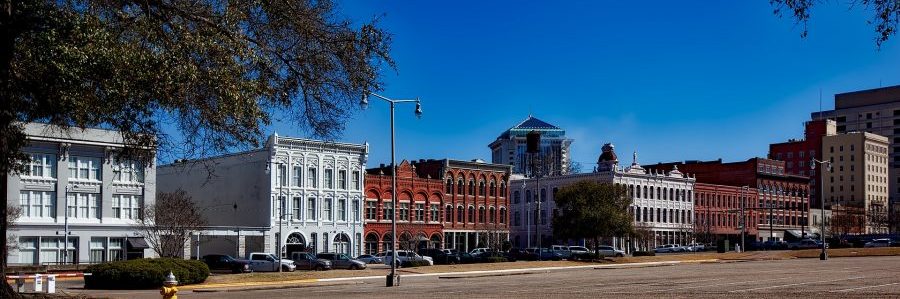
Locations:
{"points": [[481, 188], [459, 186], [471, 187], [481, 215], [371, 243], [664, 194], [448, 214], [386, 242], [502, 215], [460, 215], [493, 190], [449, 185], [341, 243], [502, 189], [492, 218], [637, 214], [471, 214]]}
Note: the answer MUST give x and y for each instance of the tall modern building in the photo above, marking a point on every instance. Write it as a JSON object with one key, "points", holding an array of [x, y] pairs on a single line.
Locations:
{"points": [[79, 199], [509, 148], [299, 194], [874, 111]]}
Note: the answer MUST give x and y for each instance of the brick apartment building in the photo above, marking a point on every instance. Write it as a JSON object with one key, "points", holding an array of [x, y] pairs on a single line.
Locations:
{"points": [[419, 217], [717, 209], [476, 201], [798, 153], [783, 199]]}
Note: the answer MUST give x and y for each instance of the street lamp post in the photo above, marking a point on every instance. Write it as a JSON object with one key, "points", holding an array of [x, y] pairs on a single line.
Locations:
{"points": [[393, 277], [827, 167], [744, 191]]}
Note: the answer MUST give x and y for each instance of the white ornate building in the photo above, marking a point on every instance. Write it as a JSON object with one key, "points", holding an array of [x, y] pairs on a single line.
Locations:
{"points": [[663, 203], [317, 184]]}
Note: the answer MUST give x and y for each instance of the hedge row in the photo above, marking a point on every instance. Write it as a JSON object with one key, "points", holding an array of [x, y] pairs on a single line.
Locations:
{"points": [[644, 253], [144, 273]]}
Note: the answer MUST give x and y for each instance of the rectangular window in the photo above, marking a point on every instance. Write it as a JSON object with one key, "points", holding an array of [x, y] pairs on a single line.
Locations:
{"points": [[128, 171], [420, 212], [356, 210], [311, 208], [435, 213], [327, 209], [84, 168], [311, 181], [298, 176], [296, 208], [84, 205], [329, 179], [355, 180], [116, 252], [342, 179], [98, 250], [127, 206], [404, 211], [41, 165], [387, 211], [371, 210], [342, 210], [38, 204], [28, 250], [281, 175]]}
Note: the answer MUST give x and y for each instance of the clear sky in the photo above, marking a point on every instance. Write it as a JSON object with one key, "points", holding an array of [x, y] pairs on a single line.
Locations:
{"points": [[673, 80]]}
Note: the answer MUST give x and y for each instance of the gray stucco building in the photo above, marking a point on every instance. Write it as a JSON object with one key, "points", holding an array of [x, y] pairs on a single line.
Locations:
{"points": [[75, 177], [318, 184]]}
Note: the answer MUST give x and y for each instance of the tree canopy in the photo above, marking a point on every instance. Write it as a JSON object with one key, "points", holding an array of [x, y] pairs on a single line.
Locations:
{"points": [[885, 14], [592, 210]]}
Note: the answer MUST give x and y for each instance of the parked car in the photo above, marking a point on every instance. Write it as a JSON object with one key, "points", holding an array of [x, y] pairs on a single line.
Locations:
{"points": [[405, 256], [544, 254], [465, 257], [609, 251], [805, 244], [226, 262], [562, 250], [370, 259], [664, 248], [440, 256], [879, 243], [696, 247], [578, 250], [309, 261], [775, 245], [342, 261], [478, 251], [261, 261]]}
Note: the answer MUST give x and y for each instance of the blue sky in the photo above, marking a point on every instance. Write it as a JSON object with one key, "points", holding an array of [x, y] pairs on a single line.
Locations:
{"points": [[673, 80]]}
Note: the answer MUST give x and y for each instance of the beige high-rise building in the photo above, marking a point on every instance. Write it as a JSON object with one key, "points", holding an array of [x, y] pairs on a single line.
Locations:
{"points": [[858, 183]]}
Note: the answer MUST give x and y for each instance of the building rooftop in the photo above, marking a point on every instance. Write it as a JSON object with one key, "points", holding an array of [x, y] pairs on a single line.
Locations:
{"points": [[867, 97], [533, 124]]}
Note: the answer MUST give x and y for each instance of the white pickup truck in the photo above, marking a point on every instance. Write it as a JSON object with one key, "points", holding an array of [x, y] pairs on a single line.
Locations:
{"points": [[267, 262]]}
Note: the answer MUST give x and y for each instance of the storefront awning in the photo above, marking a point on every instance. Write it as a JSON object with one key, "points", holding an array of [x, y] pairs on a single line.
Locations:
{"points": [[137, 243]]}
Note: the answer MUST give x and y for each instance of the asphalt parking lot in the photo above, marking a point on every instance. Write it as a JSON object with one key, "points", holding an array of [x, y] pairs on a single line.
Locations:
{"points": [[861, 277]]}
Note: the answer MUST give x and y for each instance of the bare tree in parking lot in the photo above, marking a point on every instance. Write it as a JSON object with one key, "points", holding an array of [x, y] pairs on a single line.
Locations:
{"points": [[166, 224], [13, 212]]}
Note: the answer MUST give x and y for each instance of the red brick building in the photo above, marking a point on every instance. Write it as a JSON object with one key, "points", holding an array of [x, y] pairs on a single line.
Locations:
{"points": [[797, 154], [717, 209], [418, 209], [476, 201], [783, 199]]}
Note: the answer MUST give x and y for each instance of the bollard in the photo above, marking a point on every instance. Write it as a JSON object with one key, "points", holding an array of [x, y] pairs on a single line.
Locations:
{"points": [[51, 284], [38, 284]]}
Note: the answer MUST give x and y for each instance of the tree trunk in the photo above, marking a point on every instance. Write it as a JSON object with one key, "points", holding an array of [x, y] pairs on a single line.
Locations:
{"points": [[7, 116]]}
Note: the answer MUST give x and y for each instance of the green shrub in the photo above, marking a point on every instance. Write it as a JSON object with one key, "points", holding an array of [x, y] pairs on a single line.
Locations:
{"points": [[415, 263], [144, 273], [493, 259], [644, 253]]}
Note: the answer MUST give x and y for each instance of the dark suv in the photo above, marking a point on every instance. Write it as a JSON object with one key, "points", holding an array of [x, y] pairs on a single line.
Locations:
{"points": [[226, 262], [440, 256]]}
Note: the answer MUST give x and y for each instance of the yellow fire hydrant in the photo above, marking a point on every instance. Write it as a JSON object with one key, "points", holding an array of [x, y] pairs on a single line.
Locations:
{"points": [[169, 289]]}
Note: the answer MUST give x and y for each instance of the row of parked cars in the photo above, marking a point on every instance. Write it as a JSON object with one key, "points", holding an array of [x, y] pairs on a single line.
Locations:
{"points": [[695, 247], [267, 262]]}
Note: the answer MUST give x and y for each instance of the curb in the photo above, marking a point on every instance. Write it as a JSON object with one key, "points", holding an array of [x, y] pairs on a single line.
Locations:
{"points": [[310, 284]]}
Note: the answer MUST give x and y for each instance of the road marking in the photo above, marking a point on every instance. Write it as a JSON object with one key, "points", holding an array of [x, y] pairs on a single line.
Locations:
{"points": [[715, 285], [796, 284], [865, 287]]}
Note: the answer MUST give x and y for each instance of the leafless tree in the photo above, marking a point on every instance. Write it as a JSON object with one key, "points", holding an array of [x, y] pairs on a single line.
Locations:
{"points": [[643, 236], [166, 224], [13, 212]]}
